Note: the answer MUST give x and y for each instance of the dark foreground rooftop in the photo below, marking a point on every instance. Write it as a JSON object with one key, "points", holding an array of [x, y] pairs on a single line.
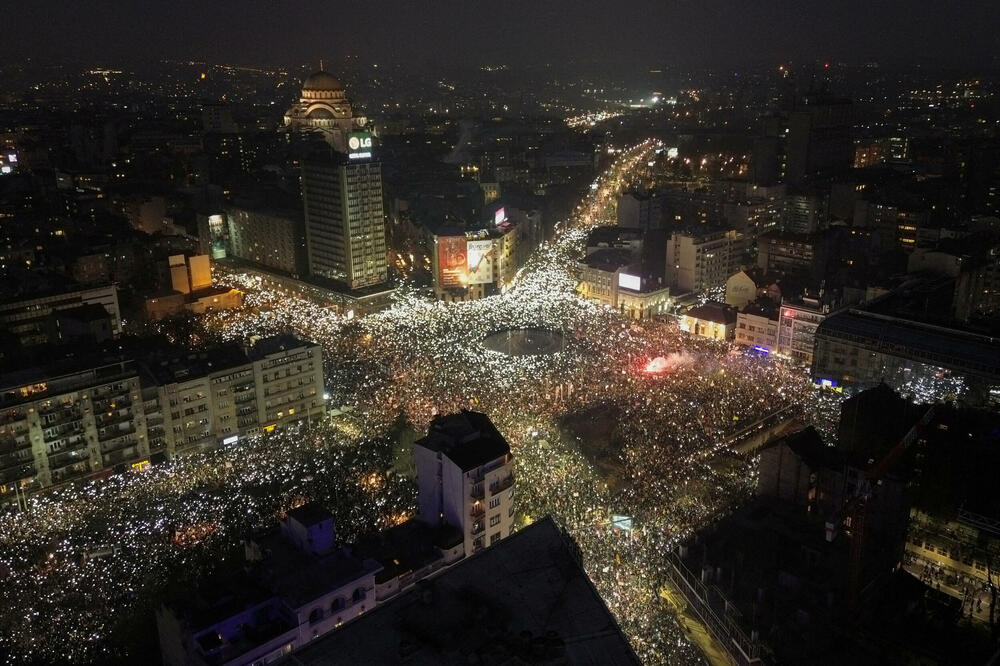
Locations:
{"points": [[524, 600]]}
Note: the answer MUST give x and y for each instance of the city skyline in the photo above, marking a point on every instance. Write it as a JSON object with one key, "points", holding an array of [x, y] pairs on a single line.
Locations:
{"points": [[658, 333]]}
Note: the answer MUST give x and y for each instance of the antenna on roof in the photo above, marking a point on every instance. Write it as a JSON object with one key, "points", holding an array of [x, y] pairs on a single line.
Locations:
{"points": [[321, 64]]}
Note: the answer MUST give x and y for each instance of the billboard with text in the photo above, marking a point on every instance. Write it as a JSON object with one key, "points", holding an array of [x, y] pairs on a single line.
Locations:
{"points": [[480, 256], [453, 266]]}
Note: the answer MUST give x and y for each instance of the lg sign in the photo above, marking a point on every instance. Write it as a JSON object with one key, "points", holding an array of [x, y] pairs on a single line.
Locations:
{"points": [[360, 143]]}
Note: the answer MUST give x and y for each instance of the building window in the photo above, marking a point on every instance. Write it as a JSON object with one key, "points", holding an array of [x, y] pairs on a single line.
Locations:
{"points": [[494, 502], [495, 520], [315, 615], [494, 538]]}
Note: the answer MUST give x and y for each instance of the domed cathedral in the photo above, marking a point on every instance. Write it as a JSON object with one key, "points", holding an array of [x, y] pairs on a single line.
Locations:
{"points": [[324, 108]]}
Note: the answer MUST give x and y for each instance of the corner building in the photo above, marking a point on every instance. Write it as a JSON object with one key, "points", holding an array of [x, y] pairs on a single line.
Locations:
{"points": [[465, 474]]}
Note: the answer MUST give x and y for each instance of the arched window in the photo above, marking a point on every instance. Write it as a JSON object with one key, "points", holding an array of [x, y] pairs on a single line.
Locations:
{"points": [[315, 615], [338, 604], [358, 595]]}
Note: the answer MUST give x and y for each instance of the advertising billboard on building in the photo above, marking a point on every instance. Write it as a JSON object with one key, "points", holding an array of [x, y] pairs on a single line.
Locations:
{"points": [[218, 235], [627, 281], [499, 217], [480, 254], [453, 266]]}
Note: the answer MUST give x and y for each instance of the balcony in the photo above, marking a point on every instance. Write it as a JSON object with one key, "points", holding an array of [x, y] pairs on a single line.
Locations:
{"points": [[65, 459], [112, 434], [118, 443], [60, 416], [477, 491], [55, 433], [245, 421], [115, 457], [478, 528], [11, 416], [12, 467], [112, 403], [103, 420], [478, 510], [501, 485]]}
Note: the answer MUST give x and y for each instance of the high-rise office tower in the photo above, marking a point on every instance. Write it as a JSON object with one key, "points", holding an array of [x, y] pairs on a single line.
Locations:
{"points": [[345, 223], [341, 189]]}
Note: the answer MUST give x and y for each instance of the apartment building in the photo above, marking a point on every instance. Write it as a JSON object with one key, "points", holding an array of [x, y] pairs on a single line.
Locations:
{"points": [[465, 475], [757, 326], [218, 396], [797, 324], [27, 317], [69, 423], [85, 417], [699, 260]]}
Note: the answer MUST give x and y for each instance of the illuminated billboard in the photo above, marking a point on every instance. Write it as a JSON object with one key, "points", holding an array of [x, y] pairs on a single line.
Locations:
{"points": [[480, 261], [218, 232], [216, 224], [453, 266], [499, 217], [626, 281], [359, 145]]}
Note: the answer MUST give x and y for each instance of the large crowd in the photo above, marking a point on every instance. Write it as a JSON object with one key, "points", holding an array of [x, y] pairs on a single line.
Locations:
{"points": [[670, 472]]}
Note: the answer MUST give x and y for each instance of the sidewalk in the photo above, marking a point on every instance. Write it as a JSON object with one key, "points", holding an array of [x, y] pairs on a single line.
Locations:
{"points": [[982, 615], [694, 630]]}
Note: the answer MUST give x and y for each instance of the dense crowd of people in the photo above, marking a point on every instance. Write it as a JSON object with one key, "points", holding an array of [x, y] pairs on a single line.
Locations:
{"points": [[82, 560]]}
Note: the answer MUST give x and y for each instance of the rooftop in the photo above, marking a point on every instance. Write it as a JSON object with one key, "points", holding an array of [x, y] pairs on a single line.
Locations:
{"points": [[298, 577], [762, 307], [609, 259], [715, 312], [276, 344], [401, 549], [524, 600], [609, 235], [965, 350], [178, 365], [310, 514], [469, 439], [87, 312]]}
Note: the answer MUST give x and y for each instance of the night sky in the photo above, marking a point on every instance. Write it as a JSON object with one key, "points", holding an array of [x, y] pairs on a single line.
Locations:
{"points": [[682, 32]]}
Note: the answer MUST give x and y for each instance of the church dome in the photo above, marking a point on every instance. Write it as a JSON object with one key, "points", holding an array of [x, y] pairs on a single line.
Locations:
{"points": [[321, 81]]}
